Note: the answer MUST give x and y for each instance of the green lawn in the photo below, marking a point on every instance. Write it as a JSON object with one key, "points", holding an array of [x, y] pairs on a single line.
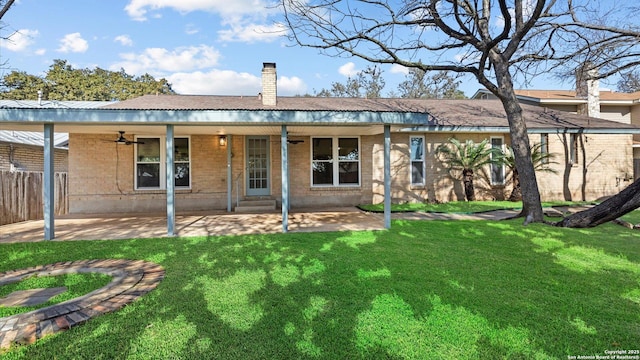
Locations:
{"points": [[422, 290]]}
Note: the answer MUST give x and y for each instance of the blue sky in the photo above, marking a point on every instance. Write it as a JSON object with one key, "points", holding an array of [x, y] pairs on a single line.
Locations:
{"points": [[212, 47]]}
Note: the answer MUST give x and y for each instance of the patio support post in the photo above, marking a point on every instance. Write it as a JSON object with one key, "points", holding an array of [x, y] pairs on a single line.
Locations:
{"points": [[285, 179], [170, 172], [387, 176], [229, 173], [47, 183]]}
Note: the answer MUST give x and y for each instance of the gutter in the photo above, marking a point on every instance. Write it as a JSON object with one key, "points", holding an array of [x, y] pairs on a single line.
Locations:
{"points": [[505, 129]]}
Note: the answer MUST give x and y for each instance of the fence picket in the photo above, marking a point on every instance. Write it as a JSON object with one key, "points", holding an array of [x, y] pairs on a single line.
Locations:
{"points": [[21, 196]]}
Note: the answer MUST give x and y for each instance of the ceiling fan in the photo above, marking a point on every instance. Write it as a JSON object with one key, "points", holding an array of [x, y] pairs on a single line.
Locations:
{"points": [[122, 140]]}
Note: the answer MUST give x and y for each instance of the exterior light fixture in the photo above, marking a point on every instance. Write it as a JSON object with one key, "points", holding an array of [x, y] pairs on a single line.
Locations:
{"points": [[222, 140]]}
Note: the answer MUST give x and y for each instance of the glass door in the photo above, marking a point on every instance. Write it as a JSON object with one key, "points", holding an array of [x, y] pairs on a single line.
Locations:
{"points": [[257, 169]]}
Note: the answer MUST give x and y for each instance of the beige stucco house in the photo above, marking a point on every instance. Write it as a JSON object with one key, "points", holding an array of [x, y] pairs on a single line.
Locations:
{"points": [[187, 152]]}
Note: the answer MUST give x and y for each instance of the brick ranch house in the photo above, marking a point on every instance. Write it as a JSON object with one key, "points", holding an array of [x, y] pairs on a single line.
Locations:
{"points": [[302, 152]]}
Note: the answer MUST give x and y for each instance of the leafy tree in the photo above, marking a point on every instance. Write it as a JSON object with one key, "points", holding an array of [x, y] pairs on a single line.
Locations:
{"points": [[467, 158], [542, 162], [367, 83], [493, 40], [418, 84], [63, 82]]}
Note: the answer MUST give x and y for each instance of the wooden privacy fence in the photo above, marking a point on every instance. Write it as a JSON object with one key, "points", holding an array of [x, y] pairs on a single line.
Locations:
{"points": [[21, 196]]}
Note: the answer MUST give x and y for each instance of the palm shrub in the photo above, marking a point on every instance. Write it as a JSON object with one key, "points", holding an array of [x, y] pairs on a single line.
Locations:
{"points": [[467, 157], [541, 162]]}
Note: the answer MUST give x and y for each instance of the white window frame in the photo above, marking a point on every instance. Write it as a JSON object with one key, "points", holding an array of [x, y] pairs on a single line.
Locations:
{"points": [[502, 167], [412, 161], [335, 162], [163, 163]]}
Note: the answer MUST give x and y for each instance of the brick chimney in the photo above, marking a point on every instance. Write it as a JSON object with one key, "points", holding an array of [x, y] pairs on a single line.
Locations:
{"points": [[588, 87], [269, 87]]}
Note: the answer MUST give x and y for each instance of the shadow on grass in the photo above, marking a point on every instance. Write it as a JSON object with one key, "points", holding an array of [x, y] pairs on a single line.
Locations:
{"points": [[438, 289]]}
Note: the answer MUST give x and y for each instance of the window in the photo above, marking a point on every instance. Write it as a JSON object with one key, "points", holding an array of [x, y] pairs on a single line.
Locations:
{"points": [[335, 161], [497, 170], [544, 147], [573, 148], [150, 155], [417, 160]]}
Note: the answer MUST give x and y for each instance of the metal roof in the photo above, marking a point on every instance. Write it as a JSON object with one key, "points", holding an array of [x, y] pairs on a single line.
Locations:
{"points": [[52, 104], [61, 140]]}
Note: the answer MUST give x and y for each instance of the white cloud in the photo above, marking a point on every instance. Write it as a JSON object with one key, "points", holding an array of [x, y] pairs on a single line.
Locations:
{"points": [[124, 40], [288, 86], [399, 69], [73, 43], [40, 51], [160, 60], [138, 9], [227, 82], [215, 82], [252, 32], [348, 69], [20, 40]]}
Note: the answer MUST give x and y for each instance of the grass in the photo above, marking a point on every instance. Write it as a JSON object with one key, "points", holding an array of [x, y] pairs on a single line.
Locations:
{"points": [[459, 207], [424, 289], [76, 284]]}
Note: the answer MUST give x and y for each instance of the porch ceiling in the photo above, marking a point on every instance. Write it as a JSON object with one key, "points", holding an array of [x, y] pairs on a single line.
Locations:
{"points": [[275, 130]]}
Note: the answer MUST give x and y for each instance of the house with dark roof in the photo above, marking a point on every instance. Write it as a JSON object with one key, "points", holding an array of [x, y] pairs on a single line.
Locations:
{"points": [[186, 152]]}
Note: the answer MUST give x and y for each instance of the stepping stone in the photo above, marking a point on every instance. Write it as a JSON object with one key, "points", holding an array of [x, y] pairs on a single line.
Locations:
{"points": [[31, 297]]}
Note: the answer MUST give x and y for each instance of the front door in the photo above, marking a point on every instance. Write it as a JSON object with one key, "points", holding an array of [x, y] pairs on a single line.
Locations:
{"points": [[257, 160]]}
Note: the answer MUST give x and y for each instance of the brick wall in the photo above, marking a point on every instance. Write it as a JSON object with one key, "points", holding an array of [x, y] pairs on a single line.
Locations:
{"points": [[604, 162], [101, 176], [30, 158]]}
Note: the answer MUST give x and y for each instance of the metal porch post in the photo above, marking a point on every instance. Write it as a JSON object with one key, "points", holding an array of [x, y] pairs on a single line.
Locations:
{"points": [[170, 172], [229, 173], [285, 179], [48, 183], [387, 176]]}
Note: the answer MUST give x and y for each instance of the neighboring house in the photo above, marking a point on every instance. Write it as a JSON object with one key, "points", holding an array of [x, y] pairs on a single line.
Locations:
{"points": [[23, 150], [306, 151]]}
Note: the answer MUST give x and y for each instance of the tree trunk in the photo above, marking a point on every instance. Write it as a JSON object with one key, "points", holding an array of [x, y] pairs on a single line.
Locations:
{"points": [[531, 203], [467, 180], [625, 201], [516, 192]]}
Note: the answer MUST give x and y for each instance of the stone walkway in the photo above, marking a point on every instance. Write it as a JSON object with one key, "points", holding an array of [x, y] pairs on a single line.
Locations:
{"points": [[131, 279]]}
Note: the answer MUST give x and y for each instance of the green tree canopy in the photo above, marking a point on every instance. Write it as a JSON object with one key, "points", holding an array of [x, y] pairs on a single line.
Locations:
{"points": [[367, 83], [63, 82]]}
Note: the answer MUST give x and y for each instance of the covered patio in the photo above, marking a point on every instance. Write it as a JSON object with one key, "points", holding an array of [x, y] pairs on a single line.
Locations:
{"points": [[126, 226]]}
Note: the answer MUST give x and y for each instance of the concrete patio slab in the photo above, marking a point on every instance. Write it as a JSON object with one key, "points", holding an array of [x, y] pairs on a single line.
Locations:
{"points": [[126, 226]]}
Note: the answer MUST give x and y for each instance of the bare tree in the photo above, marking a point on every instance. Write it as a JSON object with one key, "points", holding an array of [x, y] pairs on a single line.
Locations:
{"points": [[4, 7], [461, 36], [494, 40]]}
